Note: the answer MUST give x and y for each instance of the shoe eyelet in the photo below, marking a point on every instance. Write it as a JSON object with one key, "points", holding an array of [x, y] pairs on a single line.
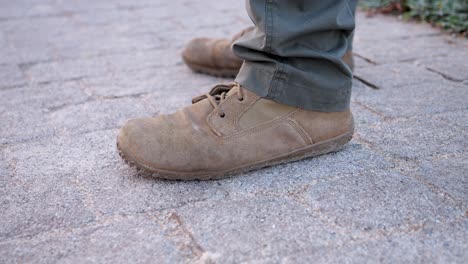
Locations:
{"points": [[222, 115], [240, 99]]}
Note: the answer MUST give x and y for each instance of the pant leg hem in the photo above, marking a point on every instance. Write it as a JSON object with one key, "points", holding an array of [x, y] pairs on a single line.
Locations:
{"points": [[259, 78]]}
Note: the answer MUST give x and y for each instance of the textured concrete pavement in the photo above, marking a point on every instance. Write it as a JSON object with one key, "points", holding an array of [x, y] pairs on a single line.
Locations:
{"points": [[71, 72]]}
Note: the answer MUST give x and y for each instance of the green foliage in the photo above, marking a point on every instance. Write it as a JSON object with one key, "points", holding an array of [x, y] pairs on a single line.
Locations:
{"points": [[449, 14], [377, 3]]}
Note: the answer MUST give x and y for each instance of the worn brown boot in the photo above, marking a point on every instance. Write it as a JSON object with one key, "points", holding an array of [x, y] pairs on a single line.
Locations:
{"points": [[215, 56], [230, 130]]}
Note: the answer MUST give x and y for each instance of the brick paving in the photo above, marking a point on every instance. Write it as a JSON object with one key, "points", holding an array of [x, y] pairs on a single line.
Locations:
{"points": [[71, 72]]}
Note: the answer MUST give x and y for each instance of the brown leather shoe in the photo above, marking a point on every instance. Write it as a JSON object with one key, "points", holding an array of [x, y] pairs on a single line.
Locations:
{"points": [[215, 56], [230, 130]]}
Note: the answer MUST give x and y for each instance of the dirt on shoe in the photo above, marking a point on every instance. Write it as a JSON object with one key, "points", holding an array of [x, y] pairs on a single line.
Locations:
{"points": [[213, 56], [228, 131]]}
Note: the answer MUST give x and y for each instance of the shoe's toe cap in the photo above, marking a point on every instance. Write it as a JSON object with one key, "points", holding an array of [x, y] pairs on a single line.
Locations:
{"points": [[197, 51], [158, 144], [134, 143]]}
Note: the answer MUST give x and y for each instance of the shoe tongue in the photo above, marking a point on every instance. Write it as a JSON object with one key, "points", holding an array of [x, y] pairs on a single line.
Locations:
{"points": [[232, 91]]}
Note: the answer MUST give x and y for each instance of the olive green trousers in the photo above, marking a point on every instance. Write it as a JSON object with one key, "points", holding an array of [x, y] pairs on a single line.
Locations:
{"points": [[294, 54]]}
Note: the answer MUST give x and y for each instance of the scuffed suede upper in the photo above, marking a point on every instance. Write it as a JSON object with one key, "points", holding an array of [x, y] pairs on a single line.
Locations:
{"points": [[212, 53], [198, 139]]}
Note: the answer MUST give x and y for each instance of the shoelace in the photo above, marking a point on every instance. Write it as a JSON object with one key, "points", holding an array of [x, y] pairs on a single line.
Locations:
{"points": [[218, 94]]}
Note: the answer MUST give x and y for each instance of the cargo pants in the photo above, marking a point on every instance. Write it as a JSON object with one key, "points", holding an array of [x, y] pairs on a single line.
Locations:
{"points": [[294, 54]]}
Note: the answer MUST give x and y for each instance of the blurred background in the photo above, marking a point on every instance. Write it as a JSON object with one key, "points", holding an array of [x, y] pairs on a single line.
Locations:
{"points": [[72, 71], [451, 15]]}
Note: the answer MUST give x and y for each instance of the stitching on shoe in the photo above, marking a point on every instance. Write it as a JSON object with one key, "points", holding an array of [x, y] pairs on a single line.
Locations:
{"points": [[301, 131], [258, 128], [241, 113], [254, 130], [211, 115], [239, 116], [234, 122]]}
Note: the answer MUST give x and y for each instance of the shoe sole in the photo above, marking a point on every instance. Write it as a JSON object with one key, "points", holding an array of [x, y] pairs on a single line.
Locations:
{"points": [[321, 148], [217, 72]]}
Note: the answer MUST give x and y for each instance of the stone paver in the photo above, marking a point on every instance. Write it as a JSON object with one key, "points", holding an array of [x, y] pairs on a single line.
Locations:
{"points": [[50, 96], [35, 201], [22, 124], [395, 44], [376, 203], [276, 227], [11, 75], [416, 138], [71, 72], [452, 67], [425, 244], [136, 239], [354, 159], [412, 99], [371, 29], [458, 118], [447, 173], [97, 115], [396, 75]]}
